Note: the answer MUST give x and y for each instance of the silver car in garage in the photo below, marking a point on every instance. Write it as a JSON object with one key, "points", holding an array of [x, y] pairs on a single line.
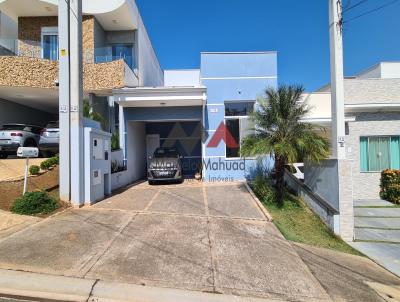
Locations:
{"points": [[49, 143], [165, 165], [13, 136]]}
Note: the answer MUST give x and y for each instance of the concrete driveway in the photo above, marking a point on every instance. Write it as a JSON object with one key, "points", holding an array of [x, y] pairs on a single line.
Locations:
{"points": [[210, 238]]}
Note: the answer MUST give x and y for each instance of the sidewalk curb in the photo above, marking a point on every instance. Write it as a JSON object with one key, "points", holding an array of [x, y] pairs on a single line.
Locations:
{"points": [[258, 202], [26, 285]]}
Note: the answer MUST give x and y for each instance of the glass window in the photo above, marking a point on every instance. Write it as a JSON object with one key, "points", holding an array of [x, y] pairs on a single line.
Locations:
{"points": [[379, 153], [50, 43], [238, 108], [123, 51]]}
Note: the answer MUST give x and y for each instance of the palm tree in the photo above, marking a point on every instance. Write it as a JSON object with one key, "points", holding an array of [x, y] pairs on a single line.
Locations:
{"points": [[280, 132]]}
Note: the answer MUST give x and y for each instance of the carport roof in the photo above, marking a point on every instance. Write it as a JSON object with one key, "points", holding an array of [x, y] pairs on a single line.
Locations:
{"points": [[161, 96]]}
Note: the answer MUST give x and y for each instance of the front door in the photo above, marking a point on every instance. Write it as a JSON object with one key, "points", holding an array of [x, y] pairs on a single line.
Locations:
{"points": [[152, 143]]}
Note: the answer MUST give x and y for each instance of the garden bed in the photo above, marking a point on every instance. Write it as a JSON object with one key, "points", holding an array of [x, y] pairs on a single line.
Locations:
{"points": [[11, 190], [298, 223]]}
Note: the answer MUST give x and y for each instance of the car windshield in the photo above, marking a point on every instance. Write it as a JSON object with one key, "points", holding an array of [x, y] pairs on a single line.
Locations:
{"points": [[301, 168], [166, 153]]}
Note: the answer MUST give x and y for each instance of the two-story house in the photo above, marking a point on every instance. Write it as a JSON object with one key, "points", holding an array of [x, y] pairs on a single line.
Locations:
{"points": [[117, 53], [192, 110]]}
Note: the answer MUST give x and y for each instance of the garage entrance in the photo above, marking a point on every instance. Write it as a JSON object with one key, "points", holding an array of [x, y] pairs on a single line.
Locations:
{"points": [[170, 117], [185, 136]]}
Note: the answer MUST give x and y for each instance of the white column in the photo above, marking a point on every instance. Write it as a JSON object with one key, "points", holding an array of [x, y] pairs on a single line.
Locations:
{"points": [[64, 99], [344, 166], [70, 102], [337, 82], [76, 82], [122, 133]]}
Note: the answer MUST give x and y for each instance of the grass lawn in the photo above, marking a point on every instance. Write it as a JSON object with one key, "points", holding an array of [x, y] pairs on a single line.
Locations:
{"points": [[298, 223]]}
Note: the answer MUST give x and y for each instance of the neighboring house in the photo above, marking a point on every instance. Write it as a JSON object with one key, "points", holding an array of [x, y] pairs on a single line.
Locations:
{"points": [[190, 109], [372, 109], [117, 53]]}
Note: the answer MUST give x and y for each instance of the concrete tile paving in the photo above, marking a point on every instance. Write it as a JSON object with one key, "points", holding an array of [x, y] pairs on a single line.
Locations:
{"points": [[372, 203], [231, 201], [63, 244], [160, 250], [186, 200], [386, 254], [169, 236], [380, 223], [377, 235], [377, 212]]}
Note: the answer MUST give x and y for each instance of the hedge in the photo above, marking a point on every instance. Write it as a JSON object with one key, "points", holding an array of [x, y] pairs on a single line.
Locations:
{"points": [[390, 186], [50, 162]]}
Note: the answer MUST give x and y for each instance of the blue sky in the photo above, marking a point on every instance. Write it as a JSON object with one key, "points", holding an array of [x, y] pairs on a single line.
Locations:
{"points": [[298, 30]]}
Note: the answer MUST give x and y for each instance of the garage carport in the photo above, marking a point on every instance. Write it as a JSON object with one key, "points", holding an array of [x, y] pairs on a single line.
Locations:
{"points": [[161, 117]]}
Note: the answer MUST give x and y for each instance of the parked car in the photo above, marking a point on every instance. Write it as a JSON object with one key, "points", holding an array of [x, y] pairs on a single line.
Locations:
{"points": [[13, 136], [49, 143], [165, 165], [297, 169]]}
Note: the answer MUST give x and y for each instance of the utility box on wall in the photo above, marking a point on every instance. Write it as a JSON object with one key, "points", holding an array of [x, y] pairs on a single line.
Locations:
{"points": [[97, 165]]}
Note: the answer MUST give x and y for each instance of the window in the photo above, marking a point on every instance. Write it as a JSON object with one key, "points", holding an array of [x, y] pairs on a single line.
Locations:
{"points": [[123, 51], [238, 108], [379, 153], [50, 43], [238, 125]]}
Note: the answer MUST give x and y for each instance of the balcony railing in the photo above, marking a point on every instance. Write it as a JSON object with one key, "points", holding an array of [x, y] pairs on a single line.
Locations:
{"points": [[40, 50]]}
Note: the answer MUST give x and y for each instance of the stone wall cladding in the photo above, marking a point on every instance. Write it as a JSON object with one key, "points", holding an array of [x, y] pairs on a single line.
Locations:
{"points": [[39, 73], [366, 184], [103, 76], [372, 91], [28, 72], [30, 34]]}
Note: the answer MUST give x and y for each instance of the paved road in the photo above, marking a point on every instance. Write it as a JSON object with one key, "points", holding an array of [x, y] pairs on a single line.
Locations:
{"points": [[210, 238]]}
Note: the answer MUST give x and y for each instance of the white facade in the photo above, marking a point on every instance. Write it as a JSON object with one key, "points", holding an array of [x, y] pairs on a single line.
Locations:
{"points": [[182, 78], [383, 70]]}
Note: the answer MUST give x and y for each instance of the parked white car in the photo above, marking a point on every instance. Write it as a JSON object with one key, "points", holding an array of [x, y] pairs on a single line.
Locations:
{"points": [[297, 169]]}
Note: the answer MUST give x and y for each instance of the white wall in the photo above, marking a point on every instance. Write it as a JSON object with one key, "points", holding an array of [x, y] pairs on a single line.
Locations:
{"points": [[182, 78], [383, 70], [8, 31], [391, 70], [150, 73], [136, 149]]}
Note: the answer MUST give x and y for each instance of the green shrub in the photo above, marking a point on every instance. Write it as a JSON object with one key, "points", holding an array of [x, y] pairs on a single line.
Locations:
{"points": [[34, 170], [390, 186], [115, 142], [45, 165], [50, 162], [33, 203], [54, 161], [263, 188]]}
